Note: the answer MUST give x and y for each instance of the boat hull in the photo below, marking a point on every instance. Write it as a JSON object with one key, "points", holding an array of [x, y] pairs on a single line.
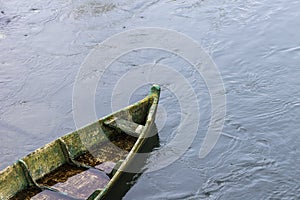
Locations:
{"points": [[113, 149]]}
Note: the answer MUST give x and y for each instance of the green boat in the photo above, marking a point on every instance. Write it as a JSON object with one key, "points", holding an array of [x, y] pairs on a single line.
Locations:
{"points": [[99, 161]]}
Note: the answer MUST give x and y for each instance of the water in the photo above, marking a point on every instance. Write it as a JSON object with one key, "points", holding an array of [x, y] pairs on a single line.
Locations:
{"points": [[255, 45]]}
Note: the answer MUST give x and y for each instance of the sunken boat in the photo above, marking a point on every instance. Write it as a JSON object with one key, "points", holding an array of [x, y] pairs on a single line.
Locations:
{"points": [[98, 161]]}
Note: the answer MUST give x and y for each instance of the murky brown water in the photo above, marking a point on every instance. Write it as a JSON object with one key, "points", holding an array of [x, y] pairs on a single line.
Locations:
{"points": [[255, 44]]}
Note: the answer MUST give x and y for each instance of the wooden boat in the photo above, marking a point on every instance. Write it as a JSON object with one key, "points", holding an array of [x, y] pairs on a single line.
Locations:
{"points": [[98, 161]]}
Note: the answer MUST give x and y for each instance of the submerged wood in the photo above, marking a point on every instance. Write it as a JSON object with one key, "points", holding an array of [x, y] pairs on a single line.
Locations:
{"points": [[95, 162]]}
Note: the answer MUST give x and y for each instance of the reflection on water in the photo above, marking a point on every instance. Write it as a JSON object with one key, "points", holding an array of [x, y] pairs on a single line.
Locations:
{"points": [[255, 44]]}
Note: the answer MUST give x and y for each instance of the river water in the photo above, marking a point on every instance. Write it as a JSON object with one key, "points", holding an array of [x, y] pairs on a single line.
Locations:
{"points": [[255, 45]]}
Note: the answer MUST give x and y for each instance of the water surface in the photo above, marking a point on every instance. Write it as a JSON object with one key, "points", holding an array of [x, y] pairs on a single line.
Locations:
{"points": [[255, 44]]}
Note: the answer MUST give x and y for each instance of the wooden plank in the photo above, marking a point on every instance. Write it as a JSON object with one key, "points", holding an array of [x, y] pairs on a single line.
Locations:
{"points": [[12, 180], [74, 145], [45, 160], [128, 127], [106, 167], [92, 135], [50, 195], [84, 184]]}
